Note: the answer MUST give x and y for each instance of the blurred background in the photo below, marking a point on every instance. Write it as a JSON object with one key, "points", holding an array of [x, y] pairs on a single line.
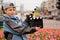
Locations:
{"points": [[48, 9]]}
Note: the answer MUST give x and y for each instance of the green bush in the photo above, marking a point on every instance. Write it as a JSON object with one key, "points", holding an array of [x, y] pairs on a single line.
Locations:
{"points": [[1, 24]]}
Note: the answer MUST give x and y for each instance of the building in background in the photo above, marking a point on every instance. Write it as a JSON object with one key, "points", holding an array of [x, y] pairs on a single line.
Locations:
{"points": [[44, 7], [50, 5], [22, 9]]}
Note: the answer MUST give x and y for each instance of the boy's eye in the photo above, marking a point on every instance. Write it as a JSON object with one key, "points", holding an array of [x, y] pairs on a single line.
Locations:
{"points": [[12, 10]]}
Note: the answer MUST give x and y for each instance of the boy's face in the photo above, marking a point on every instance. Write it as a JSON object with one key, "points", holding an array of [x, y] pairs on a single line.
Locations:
{"points": [[11, 11]]}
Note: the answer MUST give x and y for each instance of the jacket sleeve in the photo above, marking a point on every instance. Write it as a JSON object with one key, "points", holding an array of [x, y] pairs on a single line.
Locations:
{"points": [[19, 29]]}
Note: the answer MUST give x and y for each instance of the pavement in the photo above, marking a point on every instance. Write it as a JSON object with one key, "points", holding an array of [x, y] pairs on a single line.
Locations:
{"points": [[51, 24]]}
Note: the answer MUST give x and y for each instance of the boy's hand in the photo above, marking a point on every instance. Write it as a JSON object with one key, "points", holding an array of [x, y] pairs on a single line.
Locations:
{"points": [[37, 28]]}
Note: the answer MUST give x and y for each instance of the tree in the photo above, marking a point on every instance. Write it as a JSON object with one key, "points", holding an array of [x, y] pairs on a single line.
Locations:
{"points": [[39, 9]]}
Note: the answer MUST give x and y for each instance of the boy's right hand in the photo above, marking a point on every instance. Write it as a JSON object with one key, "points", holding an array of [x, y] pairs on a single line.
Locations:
{"points": [[37, 28]]}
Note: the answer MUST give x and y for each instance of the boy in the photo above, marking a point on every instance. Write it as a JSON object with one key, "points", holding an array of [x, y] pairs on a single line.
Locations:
{"points": [[14, 29]]}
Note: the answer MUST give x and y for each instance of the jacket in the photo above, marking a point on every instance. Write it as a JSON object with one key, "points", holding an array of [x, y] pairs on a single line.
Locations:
{"points": [[16, 34]]}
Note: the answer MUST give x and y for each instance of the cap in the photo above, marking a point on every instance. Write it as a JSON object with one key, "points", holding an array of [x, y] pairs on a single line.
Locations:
{"points": [[8, 5]]}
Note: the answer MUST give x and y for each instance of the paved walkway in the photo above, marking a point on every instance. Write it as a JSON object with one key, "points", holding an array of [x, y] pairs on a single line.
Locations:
{"points": [[51, 24]]}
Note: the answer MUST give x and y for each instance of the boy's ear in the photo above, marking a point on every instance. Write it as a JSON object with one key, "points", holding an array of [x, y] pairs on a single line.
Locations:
{"points": [[5, 11]]}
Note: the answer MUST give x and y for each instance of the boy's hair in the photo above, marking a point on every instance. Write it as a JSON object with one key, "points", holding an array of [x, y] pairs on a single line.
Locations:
{"points": [[11, 4]]}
